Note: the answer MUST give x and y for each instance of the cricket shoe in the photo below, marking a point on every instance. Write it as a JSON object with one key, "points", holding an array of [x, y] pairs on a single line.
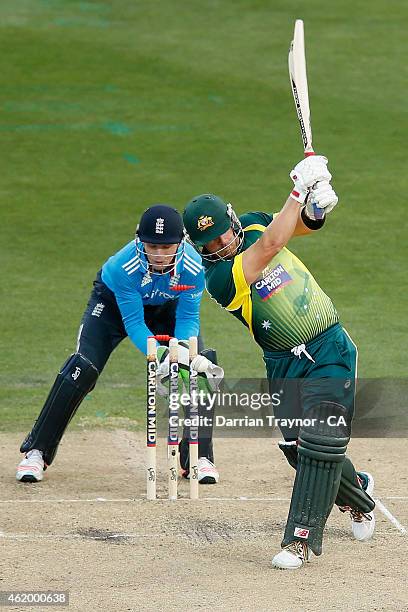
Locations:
{"points": [[292, 556], [362, 523], [31, 468], [207, 472]]}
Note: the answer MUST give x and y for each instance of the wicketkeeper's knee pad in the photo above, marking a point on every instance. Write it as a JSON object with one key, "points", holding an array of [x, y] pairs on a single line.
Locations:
{"points": [[321, 451], [76, 379]]}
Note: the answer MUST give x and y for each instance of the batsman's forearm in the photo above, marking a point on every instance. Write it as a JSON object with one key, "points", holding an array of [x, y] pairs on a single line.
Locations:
{"points": [[274, 238], [280, 230]]}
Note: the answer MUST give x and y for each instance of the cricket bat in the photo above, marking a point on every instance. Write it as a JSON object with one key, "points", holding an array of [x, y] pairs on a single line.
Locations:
{"points": [[298, 81]]}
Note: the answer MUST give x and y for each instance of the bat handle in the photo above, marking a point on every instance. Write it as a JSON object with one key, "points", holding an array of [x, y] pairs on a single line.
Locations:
{"points": [[319, 214]]}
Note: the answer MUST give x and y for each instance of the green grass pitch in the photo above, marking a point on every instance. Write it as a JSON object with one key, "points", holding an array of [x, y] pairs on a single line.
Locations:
{"points": [[108, 107]]}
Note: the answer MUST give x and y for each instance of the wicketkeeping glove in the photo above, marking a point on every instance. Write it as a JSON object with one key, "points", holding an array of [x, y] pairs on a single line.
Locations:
{"points": [[306, 173], [322, 199], [209, 374]]}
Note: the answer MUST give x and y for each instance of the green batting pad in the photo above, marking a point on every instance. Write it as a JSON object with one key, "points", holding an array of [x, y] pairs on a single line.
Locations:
{"points": [[321, 454]]}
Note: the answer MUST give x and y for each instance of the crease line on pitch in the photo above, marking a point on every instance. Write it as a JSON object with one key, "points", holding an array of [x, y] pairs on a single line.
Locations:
{"points": [[127, 500], [390, 516], [75, 536]]}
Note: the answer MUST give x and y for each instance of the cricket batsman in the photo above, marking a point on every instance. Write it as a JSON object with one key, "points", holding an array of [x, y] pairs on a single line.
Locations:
{"points": [[153, 285], [251, 274]]}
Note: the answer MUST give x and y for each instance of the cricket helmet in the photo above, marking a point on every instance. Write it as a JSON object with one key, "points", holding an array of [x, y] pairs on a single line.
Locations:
{"points": [[161, 224], [206, 217]]}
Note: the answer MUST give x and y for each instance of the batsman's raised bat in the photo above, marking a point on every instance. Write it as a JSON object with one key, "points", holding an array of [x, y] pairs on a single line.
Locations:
{"points": [[298, 81]]}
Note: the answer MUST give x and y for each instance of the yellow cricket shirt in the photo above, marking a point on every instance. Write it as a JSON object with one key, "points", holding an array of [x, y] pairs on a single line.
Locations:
{"points": [[284, 307]]}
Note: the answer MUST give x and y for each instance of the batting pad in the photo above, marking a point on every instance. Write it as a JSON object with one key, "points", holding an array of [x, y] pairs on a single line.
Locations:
{"points": [[321, 454], [350, 493]]}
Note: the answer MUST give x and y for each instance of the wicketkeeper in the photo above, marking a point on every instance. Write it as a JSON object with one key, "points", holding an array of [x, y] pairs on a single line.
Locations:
{"points": [[152, 286], [250, 273]]}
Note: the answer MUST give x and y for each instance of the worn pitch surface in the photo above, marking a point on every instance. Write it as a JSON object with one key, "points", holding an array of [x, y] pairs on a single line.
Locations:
{"points": [[88, 529]]}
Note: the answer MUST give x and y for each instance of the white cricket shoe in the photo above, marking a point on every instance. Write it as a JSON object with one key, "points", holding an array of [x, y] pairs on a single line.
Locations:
{"points": [[363, 524], [292, 556], [31, 468], [207, 472]]}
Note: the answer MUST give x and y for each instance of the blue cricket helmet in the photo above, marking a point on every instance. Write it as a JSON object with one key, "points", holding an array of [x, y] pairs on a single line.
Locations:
{"points": [[161, 224]]}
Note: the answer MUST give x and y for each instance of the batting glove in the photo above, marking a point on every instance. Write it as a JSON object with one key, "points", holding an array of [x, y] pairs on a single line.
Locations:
{"points": [[306, 173], [322, 199]]}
